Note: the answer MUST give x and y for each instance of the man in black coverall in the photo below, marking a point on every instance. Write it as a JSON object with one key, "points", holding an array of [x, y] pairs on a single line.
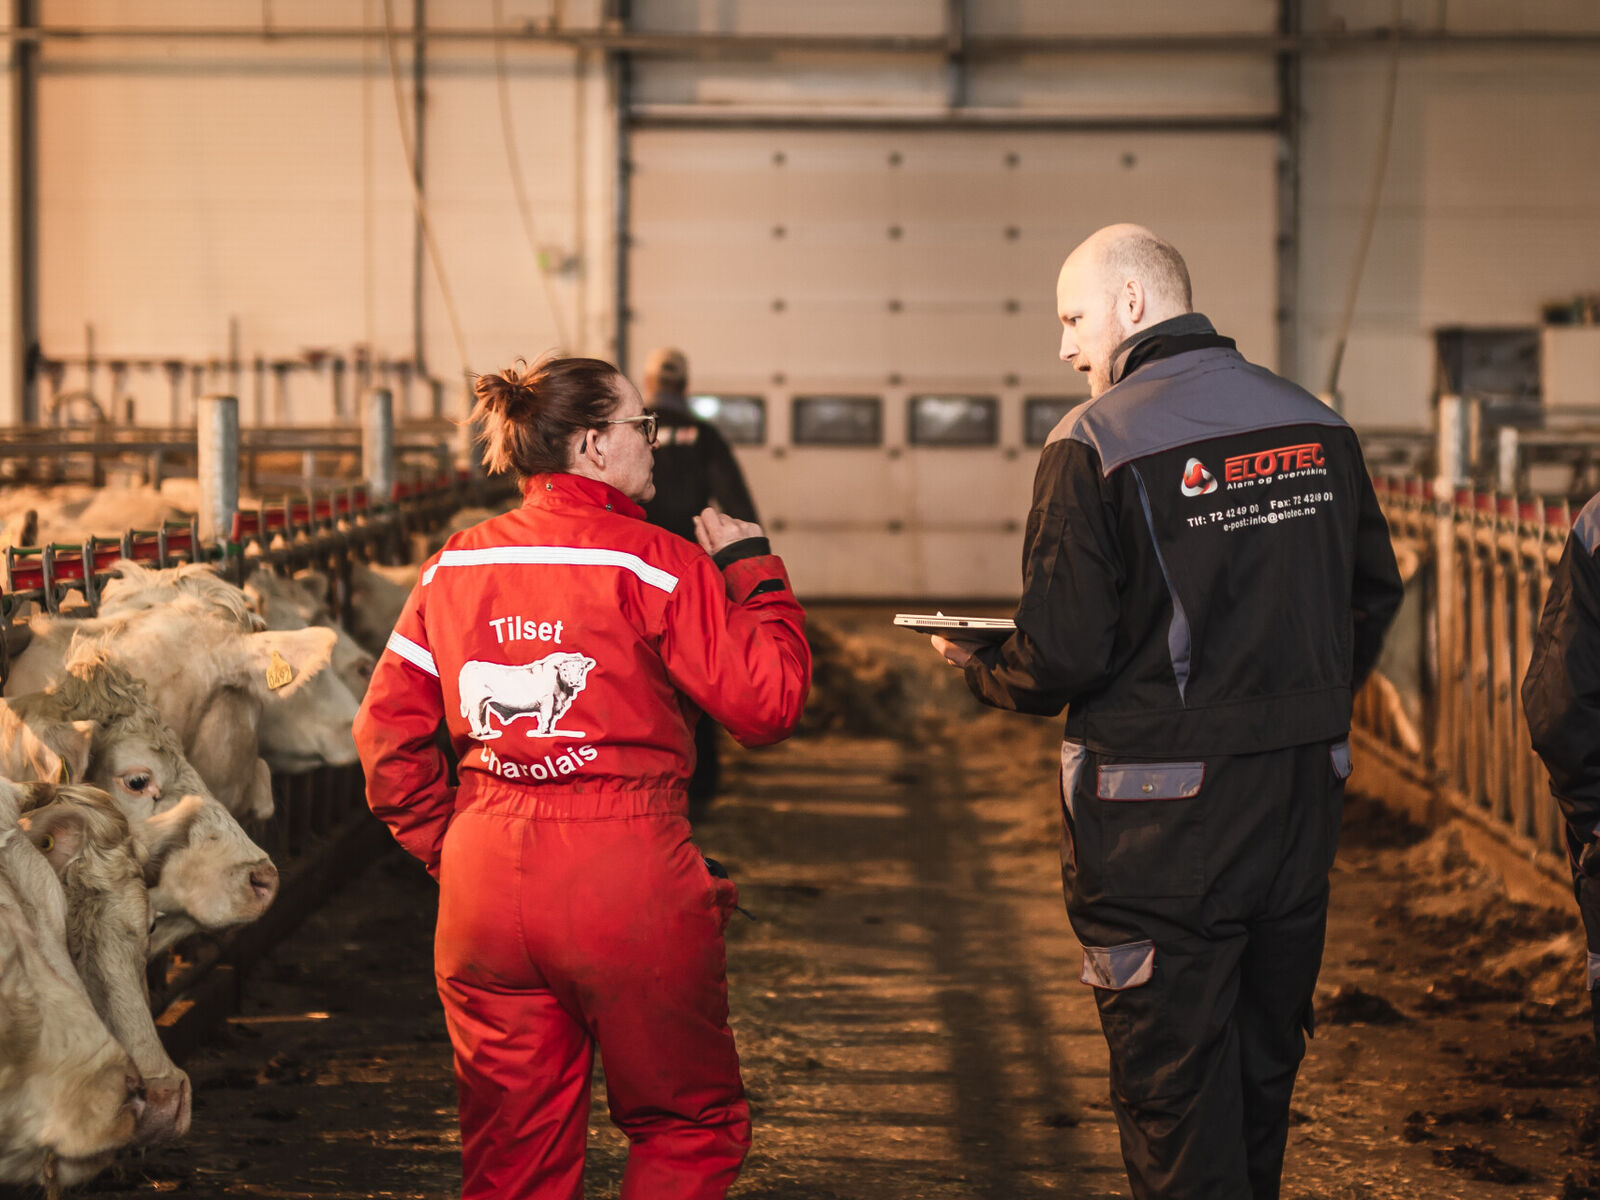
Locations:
{"points": [[1207, 579], [1561, 700], [694, 468]]}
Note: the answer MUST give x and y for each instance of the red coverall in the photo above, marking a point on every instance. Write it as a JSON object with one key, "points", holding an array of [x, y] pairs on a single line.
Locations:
{"points": [[570, 646]]}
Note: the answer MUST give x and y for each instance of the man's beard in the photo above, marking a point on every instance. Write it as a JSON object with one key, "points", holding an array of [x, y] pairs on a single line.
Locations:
{"points": [[1100, 368]]}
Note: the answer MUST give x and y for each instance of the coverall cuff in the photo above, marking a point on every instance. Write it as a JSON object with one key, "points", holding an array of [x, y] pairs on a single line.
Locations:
{"points": [[756, 576], [751, 547]]}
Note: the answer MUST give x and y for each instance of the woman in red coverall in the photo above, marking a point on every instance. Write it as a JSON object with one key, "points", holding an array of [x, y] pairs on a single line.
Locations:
{"points": [[570, 647]]}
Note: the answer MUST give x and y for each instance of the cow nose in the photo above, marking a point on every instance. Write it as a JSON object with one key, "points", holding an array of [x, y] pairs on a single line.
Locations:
{"points": [[264, 883], [167, 1107]]}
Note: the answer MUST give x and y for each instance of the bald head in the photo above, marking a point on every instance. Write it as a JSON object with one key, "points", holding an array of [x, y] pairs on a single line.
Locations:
{"points": [[1121, 279], [666, 376], [1122, 254]]}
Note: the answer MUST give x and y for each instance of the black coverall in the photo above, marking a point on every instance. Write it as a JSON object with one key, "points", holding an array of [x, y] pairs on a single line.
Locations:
{"points": [[694, 467], [1206, 579], [1561, 699]]}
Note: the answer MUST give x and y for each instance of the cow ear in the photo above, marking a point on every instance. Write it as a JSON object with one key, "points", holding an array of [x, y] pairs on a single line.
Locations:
{"points": [[274, 665], [74, 749], [22, 755], [57, 832], [159, 835]]}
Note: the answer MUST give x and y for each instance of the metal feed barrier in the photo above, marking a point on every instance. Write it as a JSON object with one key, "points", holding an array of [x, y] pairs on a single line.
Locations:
{"points": [[1481, 575], [1443, 714], [320, 831]]}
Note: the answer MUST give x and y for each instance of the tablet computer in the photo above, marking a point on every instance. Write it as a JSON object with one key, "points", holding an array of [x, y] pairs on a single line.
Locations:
{"points": [[962, 629]]}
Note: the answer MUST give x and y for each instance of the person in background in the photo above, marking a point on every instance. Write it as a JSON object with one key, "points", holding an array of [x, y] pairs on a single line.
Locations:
{"points": [[695, 468], [1207, 579], [570, 646], [1561, 700]]}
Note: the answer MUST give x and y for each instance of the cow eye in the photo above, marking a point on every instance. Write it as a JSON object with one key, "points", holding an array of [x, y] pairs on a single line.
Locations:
{"points": [[46, 844], [136, 781]]}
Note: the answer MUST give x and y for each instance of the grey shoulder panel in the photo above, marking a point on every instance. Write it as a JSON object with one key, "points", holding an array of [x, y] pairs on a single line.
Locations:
{"points": [[1067, 426], [1587, 527], [1186, 399]]}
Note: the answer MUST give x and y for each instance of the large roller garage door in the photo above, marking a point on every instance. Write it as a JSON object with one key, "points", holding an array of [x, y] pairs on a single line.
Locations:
{"points": [[884, 300]]}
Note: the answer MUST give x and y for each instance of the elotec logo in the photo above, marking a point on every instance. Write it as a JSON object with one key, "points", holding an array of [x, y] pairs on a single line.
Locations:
{"points": [[1268, 463], [1197, 481]]}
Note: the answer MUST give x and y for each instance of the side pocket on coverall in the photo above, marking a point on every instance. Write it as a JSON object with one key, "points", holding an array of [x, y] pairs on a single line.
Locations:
{"points": [[724, 892], [1072, 757]]}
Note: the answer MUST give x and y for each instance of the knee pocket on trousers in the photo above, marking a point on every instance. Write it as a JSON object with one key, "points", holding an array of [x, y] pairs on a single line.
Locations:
{"points": [[1148, 1064]]}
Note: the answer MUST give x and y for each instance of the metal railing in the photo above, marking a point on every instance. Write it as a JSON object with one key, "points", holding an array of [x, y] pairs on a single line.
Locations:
{"points": [[1446, 708]]}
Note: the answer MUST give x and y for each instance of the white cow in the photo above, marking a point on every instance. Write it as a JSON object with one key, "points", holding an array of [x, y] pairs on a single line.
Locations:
{"points": [[309, 723], [69, 1092], [207, 872], [377, 595], [206, 673], [101, 868], [301, 602], [543, 690]]}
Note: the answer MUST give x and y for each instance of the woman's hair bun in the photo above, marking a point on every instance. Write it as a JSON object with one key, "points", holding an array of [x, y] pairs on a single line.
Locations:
{"points": [[504, 393], [527, 416]]}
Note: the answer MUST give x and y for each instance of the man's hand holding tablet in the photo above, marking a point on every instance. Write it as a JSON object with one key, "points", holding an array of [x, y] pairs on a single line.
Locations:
{"points": [[956, 638]]}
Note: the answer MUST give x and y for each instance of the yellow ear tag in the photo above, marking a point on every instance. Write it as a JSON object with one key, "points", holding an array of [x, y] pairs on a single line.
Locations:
{"points": [[63, 774], [46, 844], [279, 672]]}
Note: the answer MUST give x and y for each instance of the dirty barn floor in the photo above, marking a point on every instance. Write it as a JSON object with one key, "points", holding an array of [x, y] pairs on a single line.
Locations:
{"points": [[907, 1006]]}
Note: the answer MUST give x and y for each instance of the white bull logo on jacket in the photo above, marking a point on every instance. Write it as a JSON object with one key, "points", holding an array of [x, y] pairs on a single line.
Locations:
{"points": [[543, 690]]}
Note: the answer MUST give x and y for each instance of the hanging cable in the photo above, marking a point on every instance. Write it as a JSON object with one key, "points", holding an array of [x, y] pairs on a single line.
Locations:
{"points": [[369, 191], [1380, 165], [418, 201], [513, 163]]}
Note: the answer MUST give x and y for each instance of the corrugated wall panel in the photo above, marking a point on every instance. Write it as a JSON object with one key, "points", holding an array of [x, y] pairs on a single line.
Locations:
{"points": [[916, 261], [181, 185], [837, 17], [1084, 18]]}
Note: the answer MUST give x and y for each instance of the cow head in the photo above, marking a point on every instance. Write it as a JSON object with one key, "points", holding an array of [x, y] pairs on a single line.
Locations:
{"points": [[67, 1087], [89, 846], [201, 863], [572, 670], [211, 678]]}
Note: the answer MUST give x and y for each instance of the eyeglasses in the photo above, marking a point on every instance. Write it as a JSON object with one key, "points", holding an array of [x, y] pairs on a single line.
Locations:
{"points": [[646, 423]]}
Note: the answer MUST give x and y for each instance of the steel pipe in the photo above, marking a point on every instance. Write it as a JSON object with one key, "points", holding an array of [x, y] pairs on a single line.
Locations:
{"points": [[217, 442], [377, 444], [666, 44]]}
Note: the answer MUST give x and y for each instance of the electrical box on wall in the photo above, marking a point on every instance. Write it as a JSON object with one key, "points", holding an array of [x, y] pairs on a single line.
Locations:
{"points": [[1498, 367]]}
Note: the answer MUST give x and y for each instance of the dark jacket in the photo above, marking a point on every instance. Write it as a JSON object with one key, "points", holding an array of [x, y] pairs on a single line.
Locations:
{"points": [[694, 466], [1561, 692], [1206, 570]]}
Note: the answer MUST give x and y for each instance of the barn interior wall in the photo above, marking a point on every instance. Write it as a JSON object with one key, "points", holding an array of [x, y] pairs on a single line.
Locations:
{"points": [[13, 351], [191, 186], [1487, 212]]}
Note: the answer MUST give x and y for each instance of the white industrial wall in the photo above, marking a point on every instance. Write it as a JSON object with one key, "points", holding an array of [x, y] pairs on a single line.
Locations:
{"points": [[1491, 201], [185, 184]]}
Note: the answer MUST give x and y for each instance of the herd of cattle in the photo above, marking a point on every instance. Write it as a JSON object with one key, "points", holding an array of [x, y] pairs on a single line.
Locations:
{"points": [[137, 746]]}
